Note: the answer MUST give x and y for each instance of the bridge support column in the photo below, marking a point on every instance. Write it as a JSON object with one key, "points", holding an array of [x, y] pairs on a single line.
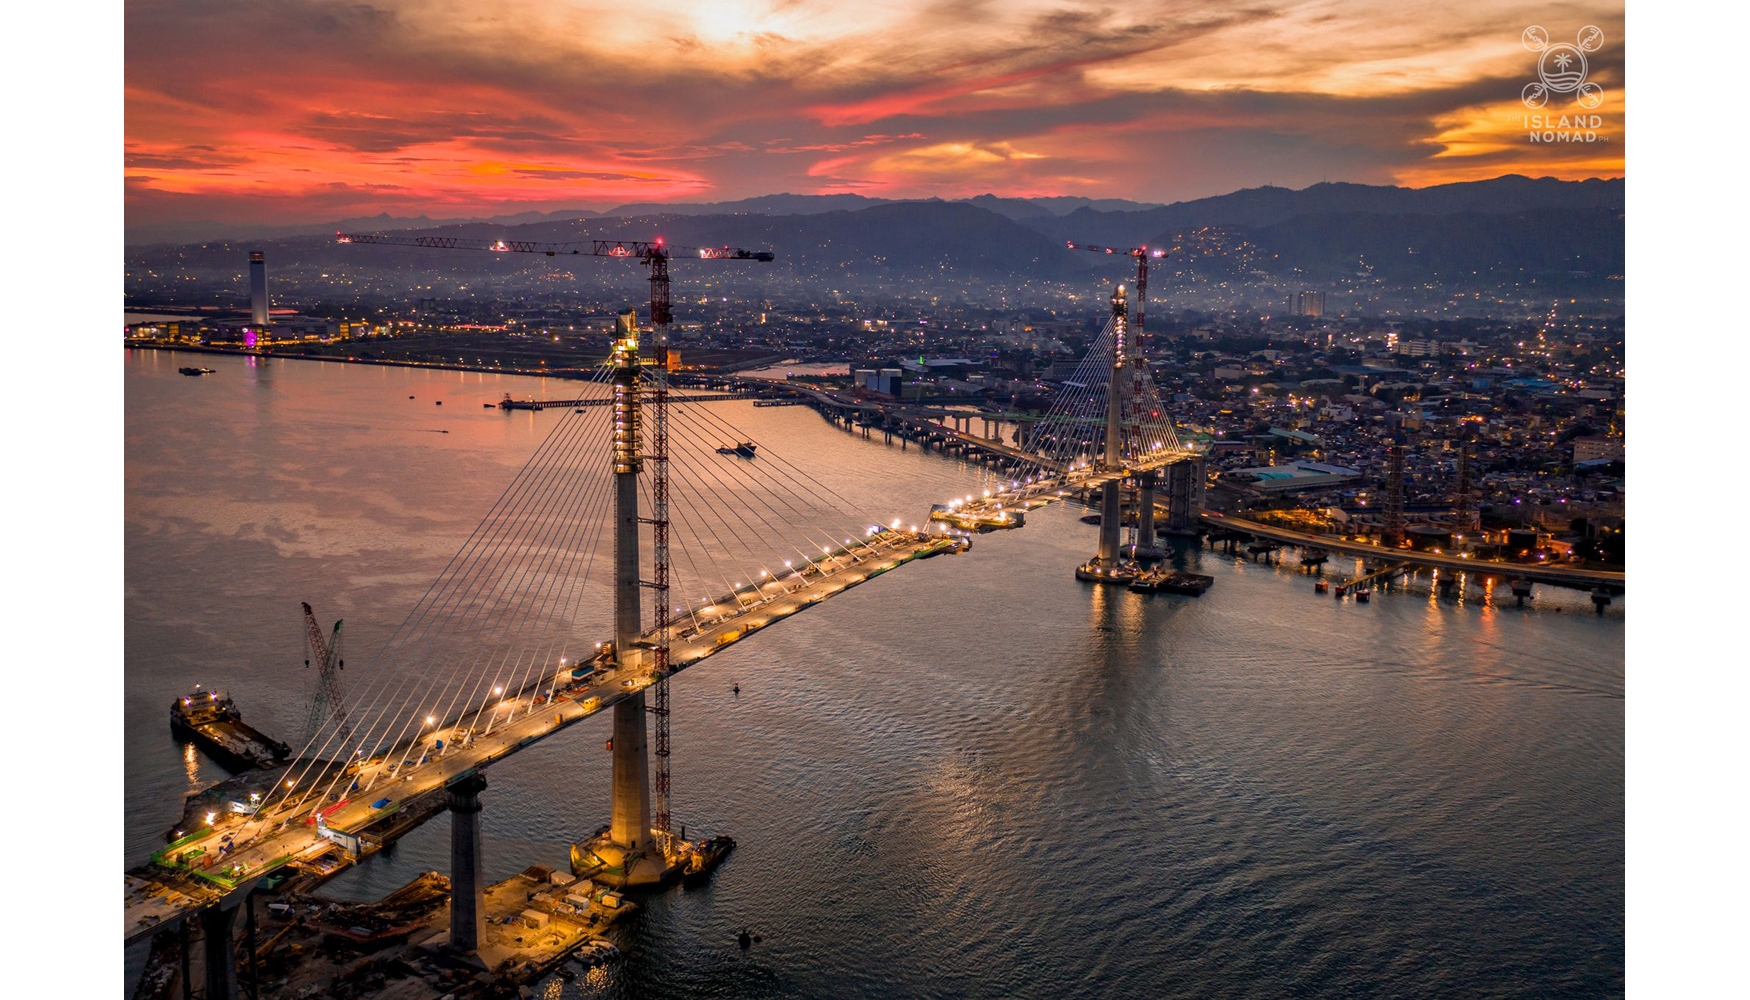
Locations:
{"points": [[630, 826], [467, 880], [220, 959], [1111, 523], [1146, 546], [1185, 495]]}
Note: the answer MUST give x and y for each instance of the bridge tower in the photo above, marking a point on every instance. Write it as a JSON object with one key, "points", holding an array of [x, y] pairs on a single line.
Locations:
{"points": [[1108, 564], [628, 846]]}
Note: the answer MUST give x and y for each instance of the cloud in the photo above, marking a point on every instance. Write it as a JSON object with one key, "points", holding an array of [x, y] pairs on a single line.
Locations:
{"points": [[297, 106]]}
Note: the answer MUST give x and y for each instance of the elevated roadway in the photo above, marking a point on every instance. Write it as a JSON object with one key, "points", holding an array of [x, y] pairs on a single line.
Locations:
{"points": [[405, 781], [1561, 575]]}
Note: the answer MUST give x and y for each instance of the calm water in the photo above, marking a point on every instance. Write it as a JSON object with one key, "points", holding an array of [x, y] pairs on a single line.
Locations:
{"points": [[976, 777]]}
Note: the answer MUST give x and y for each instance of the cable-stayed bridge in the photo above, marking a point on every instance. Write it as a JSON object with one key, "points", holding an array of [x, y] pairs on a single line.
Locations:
{"points": [[644, 514]]}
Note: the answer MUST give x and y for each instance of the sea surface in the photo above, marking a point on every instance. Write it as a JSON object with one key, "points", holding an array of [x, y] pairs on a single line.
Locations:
{"points": [[975, 777]]}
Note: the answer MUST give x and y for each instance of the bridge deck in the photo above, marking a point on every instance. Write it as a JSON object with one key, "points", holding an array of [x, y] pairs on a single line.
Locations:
{"points": [[1567, 576], [156, 897]]}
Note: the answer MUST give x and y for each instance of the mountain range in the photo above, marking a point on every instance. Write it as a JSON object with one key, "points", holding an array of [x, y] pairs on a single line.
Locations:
{"points": [[1508, 226]]}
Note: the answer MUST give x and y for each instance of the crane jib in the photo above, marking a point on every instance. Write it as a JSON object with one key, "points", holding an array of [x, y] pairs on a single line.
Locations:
{"points": [[636, 249]]}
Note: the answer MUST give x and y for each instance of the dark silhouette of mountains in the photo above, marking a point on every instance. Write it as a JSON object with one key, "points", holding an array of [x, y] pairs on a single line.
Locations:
{"points": [[1510, 225]]}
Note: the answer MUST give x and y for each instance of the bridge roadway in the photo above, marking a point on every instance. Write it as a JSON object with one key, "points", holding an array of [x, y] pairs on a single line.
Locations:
{"points": [[1157, 460], [156, 897], [698, 397], [1566, 576]]}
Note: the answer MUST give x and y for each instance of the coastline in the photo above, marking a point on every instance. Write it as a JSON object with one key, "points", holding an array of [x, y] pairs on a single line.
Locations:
{"points": [[565, 373]]}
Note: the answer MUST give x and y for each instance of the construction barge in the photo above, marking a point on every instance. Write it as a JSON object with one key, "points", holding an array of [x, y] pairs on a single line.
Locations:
{"points": [[210, 719], [1172, 581]]}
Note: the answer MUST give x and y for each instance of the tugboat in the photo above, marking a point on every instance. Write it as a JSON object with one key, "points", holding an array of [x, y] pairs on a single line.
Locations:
{"points": [[704, 857], [211, 719], [745, 449]]}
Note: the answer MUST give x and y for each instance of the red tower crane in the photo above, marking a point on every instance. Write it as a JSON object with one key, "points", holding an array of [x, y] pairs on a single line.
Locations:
{"points": [[656, 255], [1143, 255], [1134, 346]]}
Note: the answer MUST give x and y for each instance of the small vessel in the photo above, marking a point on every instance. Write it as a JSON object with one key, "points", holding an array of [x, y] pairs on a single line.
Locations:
{"points": [[745, 449], [1363, 595], [1320, 587], [211, 719], [703, 857], [195, 371], [1171, 581], [595, 952], [1093, 572]]}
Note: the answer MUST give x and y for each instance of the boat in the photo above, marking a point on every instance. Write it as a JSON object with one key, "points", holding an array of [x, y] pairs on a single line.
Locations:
{"points": [[1171, 581], [1320, 587], [745, 449], [1362, 595], [1093, 572], [211, 719], [195, 371], [703, 857]]}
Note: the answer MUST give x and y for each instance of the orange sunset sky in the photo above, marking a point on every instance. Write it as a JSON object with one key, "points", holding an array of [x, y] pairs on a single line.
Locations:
{"points": [[307, 110]]}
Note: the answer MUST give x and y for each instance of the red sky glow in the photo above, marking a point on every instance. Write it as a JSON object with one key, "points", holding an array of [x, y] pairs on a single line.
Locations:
{"points": [[301, 111]]}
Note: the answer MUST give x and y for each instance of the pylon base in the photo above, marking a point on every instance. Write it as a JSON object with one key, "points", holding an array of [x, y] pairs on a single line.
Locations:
{"points": [[601, 860]]}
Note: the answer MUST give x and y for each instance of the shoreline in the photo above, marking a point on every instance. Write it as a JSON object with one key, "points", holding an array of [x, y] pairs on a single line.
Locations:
{"points": [[563, 373]]}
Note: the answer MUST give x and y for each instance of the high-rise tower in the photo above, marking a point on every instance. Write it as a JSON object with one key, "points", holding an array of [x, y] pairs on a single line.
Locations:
{"points": [[258, 288]]}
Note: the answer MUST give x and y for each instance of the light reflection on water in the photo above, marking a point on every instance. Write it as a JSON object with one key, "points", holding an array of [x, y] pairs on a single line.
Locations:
{"points": [[976, 777]]}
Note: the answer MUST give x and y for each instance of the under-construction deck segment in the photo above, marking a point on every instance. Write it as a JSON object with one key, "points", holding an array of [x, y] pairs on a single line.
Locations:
{"points": [[157, 894]]}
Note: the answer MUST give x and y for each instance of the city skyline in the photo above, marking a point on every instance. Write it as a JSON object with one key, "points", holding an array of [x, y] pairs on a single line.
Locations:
{"points": [[311, 110]]}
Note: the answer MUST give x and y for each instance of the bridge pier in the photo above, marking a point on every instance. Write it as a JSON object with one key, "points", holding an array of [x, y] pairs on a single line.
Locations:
{"points": [[1146, 546], [219, 961], [1185, 481], [467, 879]]}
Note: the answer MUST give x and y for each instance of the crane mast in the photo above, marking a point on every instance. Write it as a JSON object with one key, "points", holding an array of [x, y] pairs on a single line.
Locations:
{"points": [[326, 703]]}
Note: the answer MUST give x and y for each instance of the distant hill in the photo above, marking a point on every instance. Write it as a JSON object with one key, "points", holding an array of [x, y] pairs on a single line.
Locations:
{"points": [[1267, 206], [1560, 242], [210, 231], [766, 204], [1484, 234]]}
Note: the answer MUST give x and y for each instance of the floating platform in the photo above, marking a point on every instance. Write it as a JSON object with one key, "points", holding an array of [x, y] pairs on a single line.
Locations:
{"points": [[978, 520], [1172, 581]]}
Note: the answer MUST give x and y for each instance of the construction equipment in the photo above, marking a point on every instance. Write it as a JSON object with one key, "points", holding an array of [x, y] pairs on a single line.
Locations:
{"points": [[1394, 497], [1143, 255], [654, 254], [326, 703]]}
